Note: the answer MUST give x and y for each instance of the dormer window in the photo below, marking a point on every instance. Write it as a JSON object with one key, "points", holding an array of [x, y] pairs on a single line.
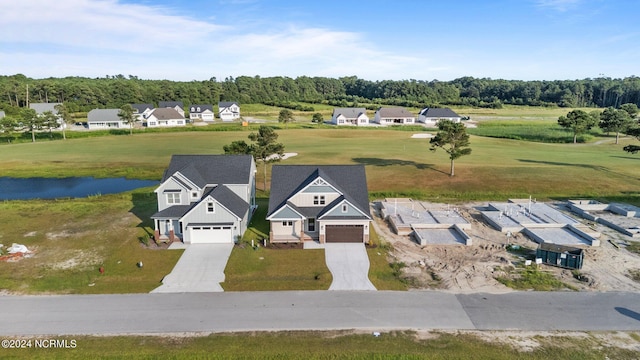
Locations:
{"points": [[198, 109], [211, 207]]}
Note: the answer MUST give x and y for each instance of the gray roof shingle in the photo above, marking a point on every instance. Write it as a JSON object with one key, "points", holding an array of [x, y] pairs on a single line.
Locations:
{"points": [[394, 113], [101, 115], [142, 107], [211, 169], [166, 114], [438, 113], [193, 109], [350, 180], [42, 107], [230, 200], [170, 104], [349, 113]]}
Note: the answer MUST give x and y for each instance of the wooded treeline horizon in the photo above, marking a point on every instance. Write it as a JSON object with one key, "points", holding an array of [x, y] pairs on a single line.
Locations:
{"points": [[83, 94]]}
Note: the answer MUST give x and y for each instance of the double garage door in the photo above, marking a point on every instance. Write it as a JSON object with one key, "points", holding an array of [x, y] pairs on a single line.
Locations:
{"points": [[344, 233], [211, 234]]}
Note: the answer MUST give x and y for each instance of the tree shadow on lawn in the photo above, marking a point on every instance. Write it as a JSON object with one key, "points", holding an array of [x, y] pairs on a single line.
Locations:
{"points": [[586, 166], [392, 162], [144, 205]]}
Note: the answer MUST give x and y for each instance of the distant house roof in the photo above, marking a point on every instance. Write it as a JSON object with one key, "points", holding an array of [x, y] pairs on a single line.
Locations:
{"points": [[225, 104], [394, 113], [142, 107], [350, 180], [438, 113], [102, 115], [42, 107], [349, 113], [194, 108], [211, 169], [2, 114], [170, 104], [166, 114]]}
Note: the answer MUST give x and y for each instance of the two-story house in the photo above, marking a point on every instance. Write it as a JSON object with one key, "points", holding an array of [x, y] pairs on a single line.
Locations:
{"points": [[142, 111], [205, 198], [228, 110], [202, 112], [323, 203]]}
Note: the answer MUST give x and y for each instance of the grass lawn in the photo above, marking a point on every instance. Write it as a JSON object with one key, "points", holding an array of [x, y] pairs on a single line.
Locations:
{"points": [[72, 239], [291, 268], [325, 345]]}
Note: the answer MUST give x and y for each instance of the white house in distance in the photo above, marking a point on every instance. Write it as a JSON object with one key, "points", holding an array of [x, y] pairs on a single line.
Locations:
{"points": [[164, 117], [350, 116], [105, 119], [202, 112], [205, 198], [175, 105], [142, 111], [228, 110], [41, 108], [431, 116], [394, 116]]}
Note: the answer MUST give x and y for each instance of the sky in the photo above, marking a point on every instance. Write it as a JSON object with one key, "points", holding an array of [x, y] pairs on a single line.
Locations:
{"points": [[186, 40]]}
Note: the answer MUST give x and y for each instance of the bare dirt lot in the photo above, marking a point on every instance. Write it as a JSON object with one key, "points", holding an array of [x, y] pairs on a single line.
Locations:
{"points": [[474, 268]]}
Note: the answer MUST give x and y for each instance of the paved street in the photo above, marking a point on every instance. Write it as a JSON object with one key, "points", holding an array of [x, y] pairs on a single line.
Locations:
{"points": [[321, 310]]}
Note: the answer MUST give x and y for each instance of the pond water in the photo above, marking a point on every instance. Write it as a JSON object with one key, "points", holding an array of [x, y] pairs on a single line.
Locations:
{"points": [[73, 187]]}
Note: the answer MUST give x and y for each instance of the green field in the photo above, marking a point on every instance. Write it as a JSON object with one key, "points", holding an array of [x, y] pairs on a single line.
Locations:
{"points": [[396, 164]]}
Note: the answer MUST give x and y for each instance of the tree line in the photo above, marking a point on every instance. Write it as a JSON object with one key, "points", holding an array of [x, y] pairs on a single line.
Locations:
{"points": [[82, 94]]}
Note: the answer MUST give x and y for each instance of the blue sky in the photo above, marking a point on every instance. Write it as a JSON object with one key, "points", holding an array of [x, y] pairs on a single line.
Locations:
{"points": [[374, 39]]}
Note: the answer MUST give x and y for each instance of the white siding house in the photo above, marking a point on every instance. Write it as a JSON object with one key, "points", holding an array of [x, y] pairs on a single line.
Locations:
{"points": [[431, 116], [350, 116], [105, 119], [394, 116], [202, 112], [228, 110], [164, 117]]}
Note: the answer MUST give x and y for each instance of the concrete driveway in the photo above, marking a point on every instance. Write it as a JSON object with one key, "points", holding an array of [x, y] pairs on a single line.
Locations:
{"points": [[349, 265], [200, 269]]}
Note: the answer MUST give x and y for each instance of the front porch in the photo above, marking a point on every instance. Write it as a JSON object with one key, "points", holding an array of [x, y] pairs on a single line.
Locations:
{"points": [[290, 238]]}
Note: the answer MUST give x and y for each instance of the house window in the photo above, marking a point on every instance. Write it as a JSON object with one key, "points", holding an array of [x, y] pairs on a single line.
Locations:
{"points": [[340, 121], [210, 207], [173, 198], [194, 195], [318, 200], [344, 208], [311, 225], [180, 122], [287, 223]]}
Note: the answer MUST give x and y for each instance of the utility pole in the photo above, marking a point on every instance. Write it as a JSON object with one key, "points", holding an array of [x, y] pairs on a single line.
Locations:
{"points": [[27, 105]]}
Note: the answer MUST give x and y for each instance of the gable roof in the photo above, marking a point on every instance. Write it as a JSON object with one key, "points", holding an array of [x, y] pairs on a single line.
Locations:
{"points": [[349, 113], [394, 112], [350, 180], [170, 104], [438, 113], [194, 108], [166, 114], [211, 169], [100, 115], [42, 107], [229, 200], [142, 107], [226, 104]]}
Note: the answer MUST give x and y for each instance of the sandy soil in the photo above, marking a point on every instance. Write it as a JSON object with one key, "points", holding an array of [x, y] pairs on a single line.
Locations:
{"points": [[466, 269]]}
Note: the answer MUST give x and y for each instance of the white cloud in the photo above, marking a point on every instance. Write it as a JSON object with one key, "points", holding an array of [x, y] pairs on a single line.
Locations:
{"points": [[559, 5]]}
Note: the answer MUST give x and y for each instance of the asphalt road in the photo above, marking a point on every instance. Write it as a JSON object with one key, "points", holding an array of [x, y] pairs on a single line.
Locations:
{"points": [[315, 310]]}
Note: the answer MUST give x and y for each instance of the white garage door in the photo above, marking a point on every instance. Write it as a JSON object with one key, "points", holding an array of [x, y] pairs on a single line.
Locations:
{"points": [[213, 234]]}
